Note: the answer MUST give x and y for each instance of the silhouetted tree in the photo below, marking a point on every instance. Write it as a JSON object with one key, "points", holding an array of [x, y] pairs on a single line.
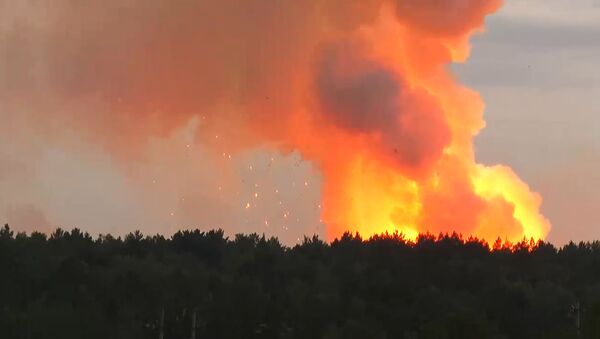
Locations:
{"points": [[199, 284]]}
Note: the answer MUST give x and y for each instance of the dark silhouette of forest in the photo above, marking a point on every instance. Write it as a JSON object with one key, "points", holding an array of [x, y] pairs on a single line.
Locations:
{"points": [[204, 285]]}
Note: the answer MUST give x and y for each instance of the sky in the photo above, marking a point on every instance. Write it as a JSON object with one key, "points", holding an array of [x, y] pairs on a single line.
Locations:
{"points": [[537, 68]]}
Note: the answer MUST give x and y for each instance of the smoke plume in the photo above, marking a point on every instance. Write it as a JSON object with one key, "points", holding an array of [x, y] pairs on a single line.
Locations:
{"points": [[359, 88]]}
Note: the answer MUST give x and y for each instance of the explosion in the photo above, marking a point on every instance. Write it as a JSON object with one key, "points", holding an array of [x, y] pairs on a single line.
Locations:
{"points": [[361, 88]]}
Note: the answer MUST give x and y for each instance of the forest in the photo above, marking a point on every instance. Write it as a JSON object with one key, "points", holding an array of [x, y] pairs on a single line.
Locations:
{"points": [[203, 284]]}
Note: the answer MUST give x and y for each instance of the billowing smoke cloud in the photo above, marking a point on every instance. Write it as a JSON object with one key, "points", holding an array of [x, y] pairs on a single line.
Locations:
{"points": [[359, 88], [366, 98]]}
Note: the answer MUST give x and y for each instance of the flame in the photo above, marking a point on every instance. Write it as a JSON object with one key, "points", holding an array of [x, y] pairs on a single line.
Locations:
{"points": [[368, 190], [500, 182], [361, 88]]}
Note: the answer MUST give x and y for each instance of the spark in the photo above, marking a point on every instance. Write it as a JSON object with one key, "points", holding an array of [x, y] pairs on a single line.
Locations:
{"points": [[247, 205]]}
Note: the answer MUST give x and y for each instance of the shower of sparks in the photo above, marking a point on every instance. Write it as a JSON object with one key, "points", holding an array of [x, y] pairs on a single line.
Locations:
{"points": [[267, 195]]}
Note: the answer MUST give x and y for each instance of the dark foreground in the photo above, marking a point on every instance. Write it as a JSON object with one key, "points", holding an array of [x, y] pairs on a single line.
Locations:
{"points": [[202, 285]]}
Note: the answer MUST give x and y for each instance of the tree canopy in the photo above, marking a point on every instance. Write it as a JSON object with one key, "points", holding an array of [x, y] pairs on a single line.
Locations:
{"points": [[199, 284]]}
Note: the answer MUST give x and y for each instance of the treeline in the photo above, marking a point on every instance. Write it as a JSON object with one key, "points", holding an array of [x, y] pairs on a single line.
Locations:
{"points": [[204, 285]]}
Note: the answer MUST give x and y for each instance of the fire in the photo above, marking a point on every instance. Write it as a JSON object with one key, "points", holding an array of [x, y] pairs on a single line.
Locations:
{"points": [[360, 88], [407, 163], [500, 182]]}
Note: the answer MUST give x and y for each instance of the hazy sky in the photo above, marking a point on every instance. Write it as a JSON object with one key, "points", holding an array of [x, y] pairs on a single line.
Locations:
{"points": [[537, 67]]}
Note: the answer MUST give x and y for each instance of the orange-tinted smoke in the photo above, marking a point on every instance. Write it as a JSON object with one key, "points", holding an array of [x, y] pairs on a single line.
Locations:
{"points": [[360, 87]]}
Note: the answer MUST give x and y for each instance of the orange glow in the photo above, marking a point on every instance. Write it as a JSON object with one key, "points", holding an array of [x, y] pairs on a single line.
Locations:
{"points": [[362, 89], [501, 183], [371, 186]]}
